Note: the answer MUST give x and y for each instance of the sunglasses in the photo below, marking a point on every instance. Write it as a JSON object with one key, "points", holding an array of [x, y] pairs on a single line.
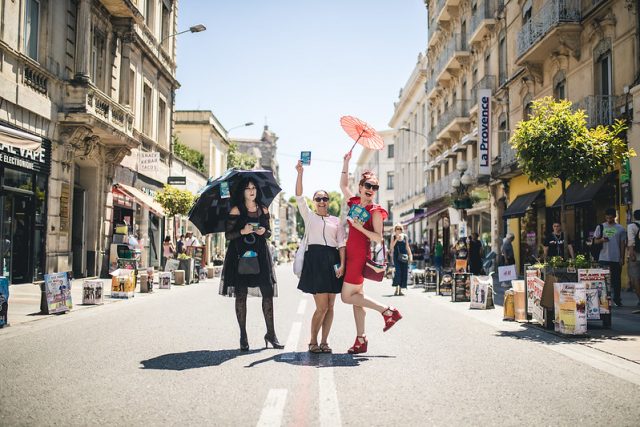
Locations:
{"points": [[368, 186], [321, 199]]}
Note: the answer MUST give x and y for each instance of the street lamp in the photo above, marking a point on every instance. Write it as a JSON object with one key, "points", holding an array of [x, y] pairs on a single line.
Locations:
{"points": [[240, 126], [461, 197], [198, 28], [406, 129]]}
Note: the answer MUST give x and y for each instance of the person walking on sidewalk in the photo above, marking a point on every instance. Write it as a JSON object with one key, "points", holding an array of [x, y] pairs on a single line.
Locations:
{"points": [[438, 253], [248, 267], [168, 251], [474, 254], [358, 250], [633, 246], [402, 257], [613, 238], [324, 261]]}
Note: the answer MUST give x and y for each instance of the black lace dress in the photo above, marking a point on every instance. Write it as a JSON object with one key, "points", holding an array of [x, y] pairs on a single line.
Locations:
{"points": [[261, 284]]}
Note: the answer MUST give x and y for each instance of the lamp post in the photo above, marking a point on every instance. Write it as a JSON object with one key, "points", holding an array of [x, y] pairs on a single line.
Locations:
{"points": [[240, 126], [461, 198], [198, 28]]}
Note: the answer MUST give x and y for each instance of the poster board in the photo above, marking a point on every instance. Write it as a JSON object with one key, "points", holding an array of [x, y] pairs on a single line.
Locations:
{"points": [[481, 292], [535, 285], [461, 265], [92, 291], [461, 287], [507, 273], [519, 300], [4, 301], [164, 280], [57, 287], [446, 284], [595, 283], [430, 279], [570, 308], [123, 284]]}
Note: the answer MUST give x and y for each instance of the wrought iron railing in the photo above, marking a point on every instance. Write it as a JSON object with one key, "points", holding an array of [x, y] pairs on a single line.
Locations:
{"points": [[485, 10], [459, 108], [552, 13], [600, 109], [507, 154], [440, 188], [487, 82]]}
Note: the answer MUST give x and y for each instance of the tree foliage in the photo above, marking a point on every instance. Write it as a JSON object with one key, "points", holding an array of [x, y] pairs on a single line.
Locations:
{"points": [[236, 159], [334, 206], [175, 201], [188, 155], [555, 143]]}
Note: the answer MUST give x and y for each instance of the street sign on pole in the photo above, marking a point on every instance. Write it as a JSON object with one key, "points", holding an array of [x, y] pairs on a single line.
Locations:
{"points": [[177, 180]]}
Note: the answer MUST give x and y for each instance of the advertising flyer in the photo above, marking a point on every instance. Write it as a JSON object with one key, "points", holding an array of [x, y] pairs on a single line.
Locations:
{"points": [[570, 308], [535, 285], [123, 284], [461, 285], [358, 213], [595, 279], [4, 301], [481, 292], [92, 292], [58, 292], [164, 280]]}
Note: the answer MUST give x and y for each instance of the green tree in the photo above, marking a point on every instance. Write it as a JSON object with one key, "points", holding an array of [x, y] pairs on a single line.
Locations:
{"points": [[236, 159], [555, 144], [335, 202], [175, 201], [189, 155]]}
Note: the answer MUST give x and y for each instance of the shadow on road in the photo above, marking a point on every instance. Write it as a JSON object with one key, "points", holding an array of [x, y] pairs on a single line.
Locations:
{"points": [[536, 334], [305, 358], [192, 359]]}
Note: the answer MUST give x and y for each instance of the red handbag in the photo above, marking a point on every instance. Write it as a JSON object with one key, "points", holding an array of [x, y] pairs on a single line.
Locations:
{"points": [[374, 270]]}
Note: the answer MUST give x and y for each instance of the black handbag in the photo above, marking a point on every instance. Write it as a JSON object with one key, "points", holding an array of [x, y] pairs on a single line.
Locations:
{"points": [[248, 265]]}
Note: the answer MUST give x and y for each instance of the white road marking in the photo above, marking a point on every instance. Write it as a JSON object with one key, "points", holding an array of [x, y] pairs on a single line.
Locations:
{"points": [[302, 306], [292, 341], [329, 407], [273, 408]]}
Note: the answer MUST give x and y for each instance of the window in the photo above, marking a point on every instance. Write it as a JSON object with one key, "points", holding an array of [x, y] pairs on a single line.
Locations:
{"points": [[132, 89], [502, 59], [390, 151], [603, 73], [526, 107], [32, 28], [503, 133], [389, 207], [162, 123], [98, 60], [526, 12], [559, 85], [146, 110], [487, 63], [165, 25], [389, 180], [150, 14]]}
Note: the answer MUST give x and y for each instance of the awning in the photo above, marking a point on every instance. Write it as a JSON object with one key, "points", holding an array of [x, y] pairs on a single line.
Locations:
{"points": [[141, 198], [436, 209], [19, 139], [416, 218], [578, 193], [519, 206]]}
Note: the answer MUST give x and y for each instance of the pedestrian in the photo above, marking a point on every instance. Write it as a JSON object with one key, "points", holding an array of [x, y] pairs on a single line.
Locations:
{"points": [[438, 252], [474, 254], [191, 240], [358, 250], [168, 251], [402, 257], [426, 253], [324, 261], [633, 245], [554, 243], [180, 245], [613, 238], [248, 269], [508, 256]]}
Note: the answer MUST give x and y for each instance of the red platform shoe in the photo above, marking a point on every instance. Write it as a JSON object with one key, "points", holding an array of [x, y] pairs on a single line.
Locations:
{"points": [[359, 346], [390, 319]]}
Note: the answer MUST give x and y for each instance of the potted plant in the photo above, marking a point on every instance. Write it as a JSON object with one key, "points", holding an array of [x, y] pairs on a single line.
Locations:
{"points": [[188, 265]]}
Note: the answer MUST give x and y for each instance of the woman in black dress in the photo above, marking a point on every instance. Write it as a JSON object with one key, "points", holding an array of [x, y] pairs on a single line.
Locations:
{"points": [[247, 231]]}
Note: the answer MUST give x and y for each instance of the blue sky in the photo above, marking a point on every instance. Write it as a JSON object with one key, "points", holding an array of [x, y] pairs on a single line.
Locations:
{"points": [[299, 65]]}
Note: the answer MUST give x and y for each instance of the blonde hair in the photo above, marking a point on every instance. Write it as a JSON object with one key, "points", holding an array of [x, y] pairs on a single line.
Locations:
{"points": [[398, 225]]}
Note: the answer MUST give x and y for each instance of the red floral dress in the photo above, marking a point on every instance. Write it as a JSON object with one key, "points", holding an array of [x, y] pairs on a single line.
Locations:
{"points": [[358, 245]]}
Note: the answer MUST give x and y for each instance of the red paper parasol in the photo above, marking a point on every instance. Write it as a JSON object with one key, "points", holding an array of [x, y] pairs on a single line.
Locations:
{"points": [[361, 133]]}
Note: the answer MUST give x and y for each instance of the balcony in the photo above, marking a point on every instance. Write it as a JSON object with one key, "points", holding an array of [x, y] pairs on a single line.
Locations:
{"points": [[36, 79], [482, 21], [487, 82], [601, 109], [557, 21], [85, 104], [123, 8], [506, 165], [432, 85], [441, 188], [453, 56], [454, 118]]}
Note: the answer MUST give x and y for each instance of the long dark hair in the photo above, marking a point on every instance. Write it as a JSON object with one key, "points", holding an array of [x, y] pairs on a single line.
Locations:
{"points": [[237, 196]]}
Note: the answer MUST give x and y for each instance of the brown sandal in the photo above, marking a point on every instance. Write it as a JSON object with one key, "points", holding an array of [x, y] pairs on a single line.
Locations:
{"points": [[315, 348], [325, 348]]}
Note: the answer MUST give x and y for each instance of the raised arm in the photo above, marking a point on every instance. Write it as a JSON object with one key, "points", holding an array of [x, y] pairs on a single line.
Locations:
{"points": [[344, 177], [300, 169]]}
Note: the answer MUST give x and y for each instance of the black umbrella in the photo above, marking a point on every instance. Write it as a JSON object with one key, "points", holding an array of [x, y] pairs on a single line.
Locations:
{"points": [[210, 210]]}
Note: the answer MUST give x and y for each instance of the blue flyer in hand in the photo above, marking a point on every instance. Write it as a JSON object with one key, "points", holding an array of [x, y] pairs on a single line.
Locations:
{"points": [[224, 190], [305, 157], [358, 213]]}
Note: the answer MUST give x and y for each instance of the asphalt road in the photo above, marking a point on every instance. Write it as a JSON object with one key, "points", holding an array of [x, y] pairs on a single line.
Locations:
{"points": [[172, 359]]}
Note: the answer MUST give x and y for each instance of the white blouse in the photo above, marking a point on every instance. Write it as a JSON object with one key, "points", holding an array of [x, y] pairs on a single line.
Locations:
{"points": [[321, 230]]}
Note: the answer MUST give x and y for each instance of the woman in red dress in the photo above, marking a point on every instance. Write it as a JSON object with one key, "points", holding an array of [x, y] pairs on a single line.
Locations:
{"points": [[358, 250]]}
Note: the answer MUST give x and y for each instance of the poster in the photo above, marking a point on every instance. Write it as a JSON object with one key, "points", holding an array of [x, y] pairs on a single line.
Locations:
{"points": [[481, 292], [506, 273], [445, 284], [4, 301], [92, 292], [123, 284], [461, 287], [430, 278], [535, 285], [164, 280], [461, 265], [58, 292], [519, 300], [595, 279], [570, 308]]}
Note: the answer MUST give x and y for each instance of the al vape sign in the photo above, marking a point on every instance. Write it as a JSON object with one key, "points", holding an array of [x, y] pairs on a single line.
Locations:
{"points": [[484, 132]]}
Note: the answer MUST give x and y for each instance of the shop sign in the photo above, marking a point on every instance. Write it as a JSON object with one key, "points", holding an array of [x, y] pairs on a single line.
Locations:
{"points": [[148, 191], [177, 180], [36, 160], [484, 132], [148, 161]]}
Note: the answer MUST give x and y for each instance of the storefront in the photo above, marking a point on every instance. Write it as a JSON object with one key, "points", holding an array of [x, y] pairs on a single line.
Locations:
{"points": [[528, 212], [25, 165]]}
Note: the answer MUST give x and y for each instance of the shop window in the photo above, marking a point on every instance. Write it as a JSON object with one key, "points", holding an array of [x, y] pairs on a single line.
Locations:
{"points": [[18, 179], [32, 28]]}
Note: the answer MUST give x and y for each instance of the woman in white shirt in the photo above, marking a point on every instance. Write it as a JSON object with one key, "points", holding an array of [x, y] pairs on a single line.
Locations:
{"points": [[324, 261]]}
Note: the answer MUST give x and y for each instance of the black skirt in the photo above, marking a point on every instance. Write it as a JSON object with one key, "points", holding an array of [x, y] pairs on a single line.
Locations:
{"points": [[318, 274]]}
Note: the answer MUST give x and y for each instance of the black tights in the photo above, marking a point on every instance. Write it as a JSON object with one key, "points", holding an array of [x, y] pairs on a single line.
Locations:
{"points": [[267, 310]]}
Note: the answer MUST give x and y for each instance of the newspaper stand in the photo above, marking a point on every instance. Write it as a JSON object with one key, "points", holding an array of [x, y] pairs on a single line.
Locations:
{"points": [[461, 287], [431, 278], [445, 284]]}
